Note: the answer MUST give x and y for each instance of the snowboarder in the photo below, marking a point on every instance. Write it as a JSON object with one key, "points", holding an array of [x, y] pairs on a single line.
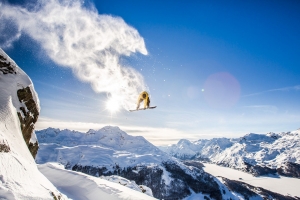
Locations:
{"points": [[144, 96]]}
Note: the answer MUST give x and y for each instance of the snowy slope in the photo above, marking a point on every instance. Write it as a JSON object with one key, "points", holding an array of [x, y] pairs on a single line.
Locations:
{"points": [[130, 184], [256, 153], [19, 176], [81, 186]]}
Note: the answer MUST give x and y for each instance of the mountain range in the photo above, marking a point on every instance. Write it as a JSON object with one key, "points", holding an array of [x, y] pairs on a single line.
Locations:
{"points": [[110, 151], [258, 154]]}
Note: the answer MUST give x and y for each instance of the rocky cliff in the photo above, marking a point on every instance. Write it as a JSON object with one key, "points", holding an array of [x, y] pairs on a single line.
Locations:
{"points": [[28, 110], [19, 110]]}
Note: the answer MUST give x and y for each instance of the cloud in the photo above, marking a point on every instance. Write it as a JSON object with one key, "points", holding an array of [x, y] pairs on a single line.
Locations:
{"points": [[9, 32], [78, 37], [285, 89]]}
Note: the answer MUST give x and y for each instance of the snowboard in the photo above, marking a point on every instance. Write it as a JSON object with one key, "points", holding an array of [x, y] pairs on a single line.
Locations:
{"points": [[143, 109]]}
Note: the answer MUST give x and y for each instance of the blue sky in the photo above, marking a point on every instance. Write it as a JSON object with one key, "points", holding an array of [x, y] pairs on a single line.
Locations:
{"points": [[213, 69]]}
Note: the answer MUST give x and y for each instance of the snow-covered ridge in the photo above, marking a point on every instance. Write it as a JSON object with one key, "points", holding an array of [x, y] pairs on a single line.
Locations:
{"points": [[10, 71], [108, 136], [107, 149], [267, 152], [120, 148], [19, 176]]}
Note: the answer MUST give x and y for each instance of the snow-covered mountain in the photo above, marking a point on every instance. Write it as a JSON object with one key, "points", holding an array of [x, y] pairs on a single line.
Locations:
{"points": [[119, 148], [255, 153], [110, 151], [19, 109]]}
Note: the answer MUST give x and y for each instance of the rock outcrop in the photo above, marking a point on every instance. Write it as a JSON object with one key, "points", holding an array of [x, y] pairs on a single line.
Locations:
{"points": [[257, 170], [4, 146], [289, 169], [6, 66], [28, 116]]}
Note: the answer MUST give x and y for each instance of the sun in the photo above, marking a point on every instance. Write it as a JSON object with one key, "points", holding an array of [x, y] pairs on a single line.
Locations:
{"points": [[113, 105]]}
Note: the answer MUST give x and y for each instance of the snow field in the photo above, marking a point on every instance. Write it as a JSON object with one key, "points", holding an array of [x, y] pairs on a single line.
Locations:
{"points": [[79, 186]]}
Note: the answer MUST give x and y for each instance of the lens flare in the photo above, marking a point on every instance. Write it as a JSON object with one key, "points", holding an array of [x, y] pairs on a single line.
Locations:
{"points": [[113, 105], [222, 90]]}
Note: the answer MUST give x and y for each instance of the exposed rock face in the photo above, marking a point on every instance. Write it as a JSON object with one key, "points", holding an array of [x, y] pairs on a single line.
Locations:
{"points": [[194, 164], [204, 182], [290, 169], [249, 191], [28, 117], [5, 66], [4, 147], [257, 170]]}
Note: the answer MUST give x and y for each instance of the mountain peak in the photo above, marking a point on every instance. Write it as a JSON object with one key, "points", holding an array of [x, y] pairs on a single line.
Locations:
{"points": [[91, 131], [184, 142], [111, 130]]}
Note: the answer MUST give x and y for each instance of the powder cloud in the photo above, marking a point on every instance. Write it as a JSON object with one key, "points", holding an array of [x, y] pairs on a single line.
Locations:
{"points": [[78, 37]]}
